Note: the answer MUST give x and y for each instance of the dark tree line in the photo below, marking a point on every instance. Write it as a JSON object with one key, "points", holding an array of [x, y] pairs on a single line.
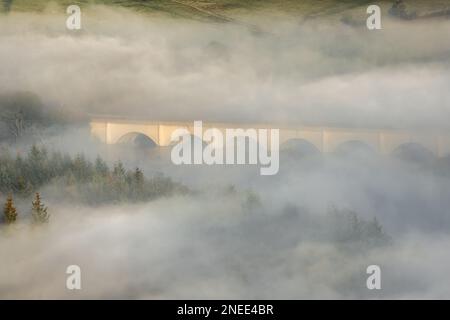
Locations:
{"points": [[78, 179]]}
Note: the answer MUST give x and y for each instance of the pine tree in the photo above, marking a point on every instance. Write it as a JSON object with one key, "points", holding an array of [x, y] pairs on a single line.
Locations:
{"points": [[23, 187], [39, 211], [139, 177], [81, 168], [138, 184], [119, 170], [101, 167], [9, 211]]}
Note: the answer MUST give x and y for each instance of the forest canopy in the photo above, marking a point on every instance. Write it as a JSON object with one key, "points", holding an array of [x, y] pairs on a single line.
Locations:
{"points": [[78, 179]]}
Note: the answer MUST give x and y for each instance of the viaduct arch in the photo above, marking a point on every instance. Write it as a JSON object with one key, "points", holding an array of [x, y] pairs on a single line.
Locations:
{"points": [[324, 139]]}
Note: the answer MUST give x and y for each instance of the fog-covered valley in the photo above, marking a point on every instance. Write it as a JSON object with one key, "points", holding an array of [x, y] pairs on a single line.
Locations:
{"points": [[141, 227]]}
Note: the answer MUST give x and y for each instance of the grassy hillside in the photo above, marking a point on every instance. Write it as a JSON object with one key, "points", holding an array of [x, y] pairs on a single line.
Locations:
{"points": [[221, 9]]}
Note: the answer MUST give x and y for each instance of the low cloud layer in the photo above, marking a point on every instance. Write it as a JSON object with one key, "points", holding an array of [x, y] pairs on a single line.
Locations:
{"points": [[237, 235], [290, 236], [193, 248], [318, 72]]}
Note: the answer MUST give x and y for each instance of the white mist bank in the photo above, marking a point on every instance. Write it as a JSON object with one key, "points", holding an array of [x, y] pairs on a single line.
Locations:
{"points": [[221, 243], [194, 249], [212, 245], [321, 71]]}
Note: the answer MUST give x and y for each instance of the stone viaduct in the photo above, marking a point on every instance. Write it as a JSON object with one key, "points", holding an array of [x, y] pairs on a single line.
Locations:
{"points": [[324, 139]]}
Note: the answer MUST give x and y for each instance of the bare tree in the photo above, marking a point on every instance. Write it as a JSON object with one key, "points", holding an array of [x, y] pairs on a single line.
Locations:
{"points": [[15, 122], [19, 113]]}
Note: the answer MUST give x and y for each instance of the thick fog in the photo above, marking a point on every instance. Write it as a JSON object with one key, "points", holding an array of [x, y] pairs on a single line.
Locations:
{"points": [[237, 234], [319, 71]]}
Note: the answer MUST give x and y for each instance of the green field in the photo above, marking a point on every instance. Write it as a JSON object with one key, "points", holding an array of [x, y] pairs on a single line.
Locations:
{"points": [[222, 9]]}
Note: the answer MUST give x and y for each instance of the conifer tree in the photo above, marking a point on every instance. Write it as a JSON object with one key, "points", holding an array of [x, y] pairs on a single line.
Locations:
{"points": [[39, 211], [119, 170], [138, 184], [139, 177], [23, 187], [101, 167], [10, 211]]}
